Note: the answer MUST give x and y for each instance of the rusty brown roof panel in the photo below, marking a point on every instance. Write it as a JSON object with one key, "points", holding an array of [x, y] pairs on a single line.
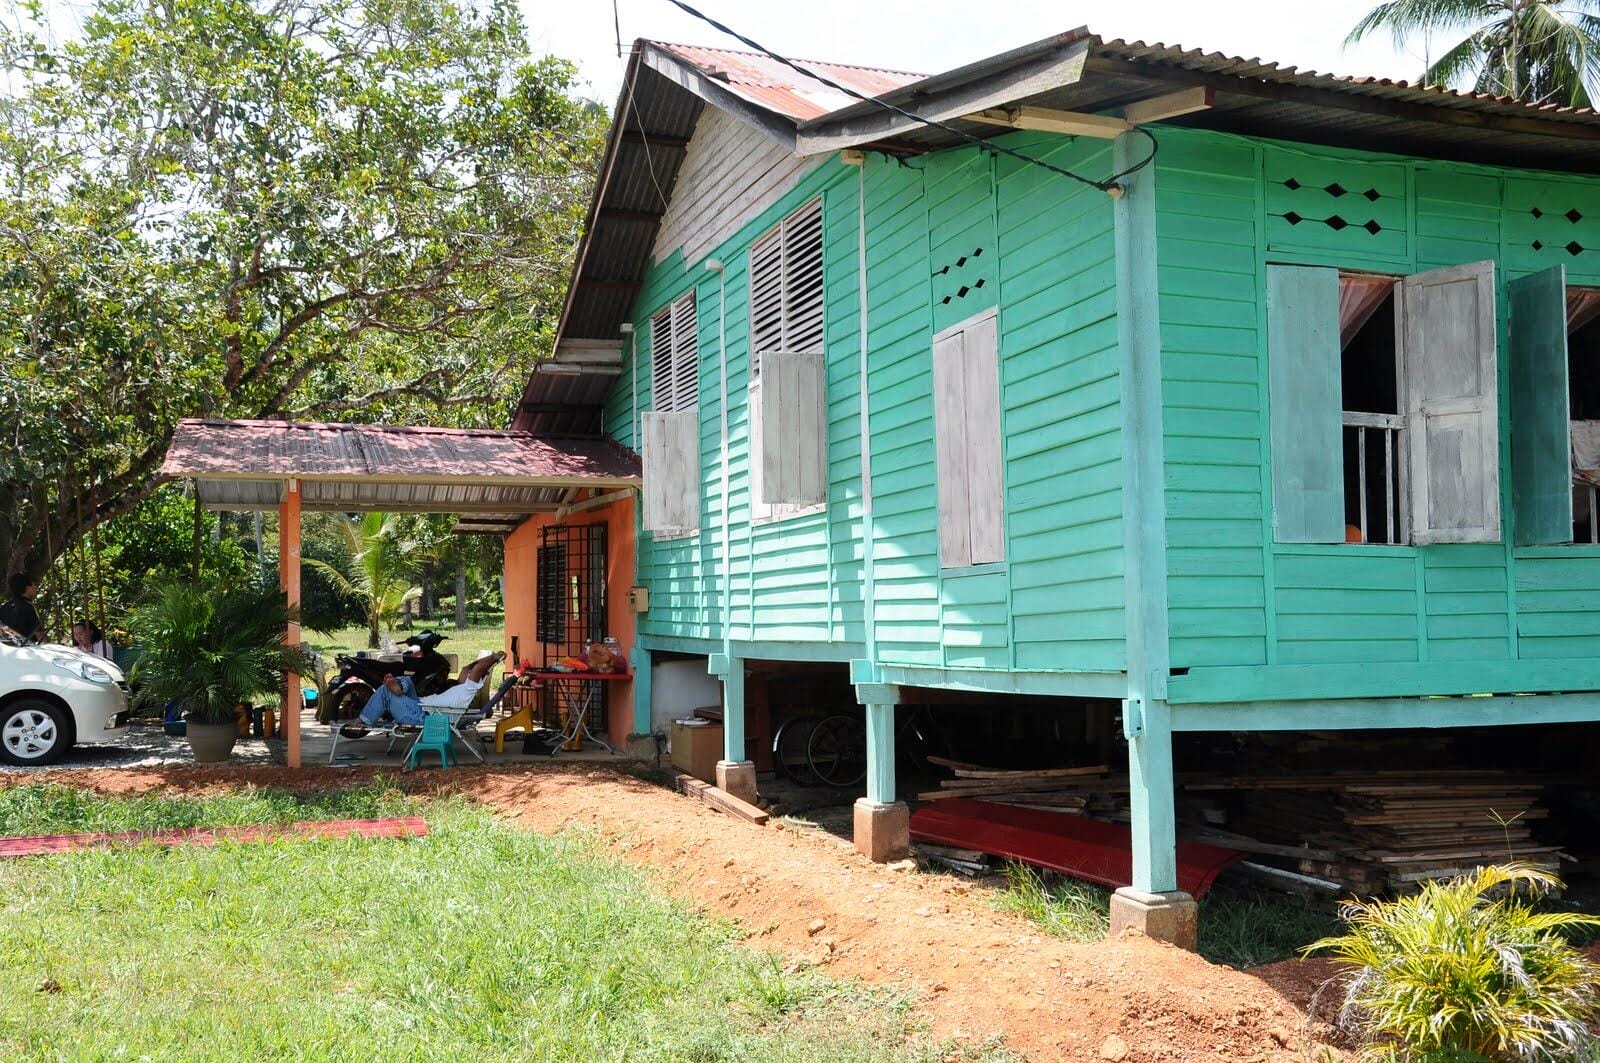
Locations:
{"points": [[771, 84], [364, 455]]}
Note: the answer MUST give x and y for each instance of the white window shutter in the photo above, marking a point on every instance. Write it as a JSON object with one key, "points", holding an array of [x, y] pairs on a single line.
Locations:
{"points": [[1452, 404], [685, 355], [661, 360], [985, 461], [792, 428], [950, 450], [671, 471]]}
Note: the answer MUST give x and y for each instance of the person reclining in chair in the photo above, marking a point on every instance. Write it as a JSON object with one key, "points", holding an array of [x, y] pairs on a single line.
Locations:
{"points": [[398, 698]]}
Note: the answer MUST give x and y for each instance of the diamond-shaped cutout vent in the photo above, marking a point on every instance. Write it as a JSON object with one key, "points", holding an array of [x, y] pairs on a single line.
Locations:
{"points": [[1373, 227], [1574, 249], [1573, 216], [1537, 245], [1336, 190], [1373, 195], [1292, 218], [1336, 223], [1292, 185], [1536, 212]]}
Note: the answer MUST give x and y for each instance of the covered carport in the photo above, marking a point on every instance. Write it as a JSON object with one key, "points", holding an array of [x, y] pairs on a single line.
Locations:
{"points": [[491, 480]]}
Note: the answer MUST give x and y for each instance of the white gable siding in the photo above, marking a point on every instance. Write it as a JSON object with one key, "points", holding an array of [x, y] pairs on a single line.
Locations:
{"points": [[729, 175]]}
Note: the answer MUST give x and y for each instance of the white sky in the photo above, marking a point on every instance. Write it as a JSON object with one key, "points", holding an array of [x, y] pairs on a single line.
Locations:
{"points": [[930, 36]]}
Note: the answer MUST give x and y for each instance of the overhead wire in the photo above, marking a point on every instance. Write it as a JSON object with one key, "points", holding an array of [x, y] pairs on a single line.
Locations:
{"points": [[1110, 185]]}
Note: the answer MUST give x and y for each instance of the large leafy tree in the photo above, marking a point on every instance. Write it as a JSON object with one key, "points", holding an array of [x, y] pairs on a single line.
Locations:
{"points": [[1529, 49], [335, 209]]}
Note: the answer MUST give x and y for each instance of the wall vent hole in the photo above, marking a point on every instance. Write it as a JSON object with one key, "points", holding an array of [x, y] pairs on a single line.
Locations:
{"points": [[1336, 223], [1574, 249], [1573, 216], [979, 283], [961, 292], [1373, 227], [1292, 218], [1537, 245], [1536, 212], [1336, 190], [1372, 195], [962, 261], [945, 300], [1292, 185]]}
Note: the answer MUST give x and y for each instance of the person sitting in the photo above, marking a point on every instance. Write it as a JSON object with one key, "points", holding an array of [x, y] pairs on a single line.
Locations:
{"points": [[397, 697], [88, 637]]}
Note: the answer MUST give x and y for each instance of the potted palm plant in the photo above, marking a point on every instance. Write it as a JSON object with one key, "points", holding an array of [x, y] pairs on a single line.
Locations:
{"points": [[211, 650]]}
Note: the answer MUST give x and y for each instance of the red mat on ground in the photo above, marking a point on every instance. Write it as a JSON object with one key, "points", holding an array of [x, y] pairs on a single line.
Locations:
{"points": [[405, 827], [1073, 845]]}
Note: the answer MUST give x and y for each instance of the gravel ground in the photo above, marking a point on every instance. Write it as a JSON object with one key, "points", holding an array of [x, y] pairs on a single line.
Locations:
{"points": [[146, 745]]}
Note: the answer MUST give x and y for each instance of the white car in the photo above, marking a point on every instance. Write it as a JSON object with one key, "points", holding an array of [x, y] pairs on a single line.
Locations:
{"points": [[52, 697]]}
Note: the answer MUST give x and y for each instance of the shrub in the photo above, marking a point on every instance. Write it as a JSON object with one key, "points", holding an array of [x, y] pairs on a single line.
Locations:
{"points": [[1466, 970]]}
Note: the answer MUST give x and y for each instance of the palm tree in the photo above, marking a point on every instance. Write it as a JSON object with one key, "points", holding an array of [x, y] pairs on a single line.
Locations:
{"points": [[1529, 49], [380, 568]]}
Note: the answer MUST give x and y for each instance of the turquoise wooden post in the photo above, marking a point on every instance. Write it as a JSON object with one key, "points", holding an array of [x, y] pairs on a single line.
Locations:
{"points": [[1152, 904], [1150, 789], [733, 711], [641, 690], [880, 754]]}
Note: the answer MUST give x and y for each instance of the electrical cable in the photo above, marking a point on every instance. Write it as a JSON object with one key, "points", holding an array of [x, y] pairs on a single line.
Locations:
{"points": [[1109, 185]]}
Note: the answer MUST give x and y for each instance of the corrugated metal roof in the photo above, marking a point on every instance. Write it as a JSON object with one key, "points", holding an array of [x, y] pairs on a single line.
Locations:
{"points": [[345, 467], [768, 83], [1376, 88]]}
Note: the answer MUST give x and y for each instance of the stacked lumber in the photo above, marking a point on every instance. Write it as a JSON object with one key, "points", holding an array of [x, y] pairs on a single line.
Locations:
{"points": [[1390, 831], [1058, 789]]}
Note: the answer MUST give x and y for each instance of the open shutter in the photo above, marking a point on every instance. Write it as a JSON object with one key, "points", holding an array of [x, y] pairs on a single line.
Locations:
{"points": [[671, 471], [1306, 400], [1452, 404], [1541, 456], [792, 428], [950, 451], [986, 494]]}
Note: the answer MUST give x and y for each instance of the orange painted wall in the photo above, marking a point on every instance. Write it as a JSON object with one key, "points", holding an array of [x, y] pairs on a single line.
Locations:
{"points": [[521, 553]]}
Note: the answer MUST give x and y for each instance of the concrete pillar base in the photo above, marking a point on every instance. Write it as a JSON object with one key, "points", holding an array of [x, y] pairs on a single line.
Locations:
{"points": [[645, 747], [882, 832], [1172, 917], [738, 778]]}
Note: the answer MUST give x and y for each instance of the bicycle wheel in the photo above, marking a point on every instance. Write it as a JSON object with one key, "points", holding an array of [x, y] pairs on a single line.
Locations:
{"points": [[837, 751], [789, 748]]}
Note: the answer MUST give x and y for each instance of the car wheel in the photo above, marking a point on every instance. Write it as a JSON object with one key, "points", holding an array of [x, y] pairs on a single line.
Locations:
{"points": [[33, 731]]}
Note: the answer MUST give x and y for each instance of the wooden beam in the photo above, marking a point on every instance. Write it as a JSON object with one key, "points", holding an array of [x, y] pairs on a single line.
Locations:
{"points": [[1047, 120], [289, 580], [1170, 105], [721, 800]]}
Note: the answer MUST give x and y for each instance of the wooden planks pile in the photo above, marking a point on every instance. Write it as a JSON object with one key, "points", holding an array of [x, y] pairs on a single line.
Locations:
{"points": [[1091, 790], [1389, 831]]}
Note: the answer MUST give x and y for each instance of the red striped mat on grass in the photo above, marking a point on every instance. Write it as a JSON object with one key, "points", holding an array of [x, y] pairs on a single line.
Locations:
{"points": [[35, 845]]}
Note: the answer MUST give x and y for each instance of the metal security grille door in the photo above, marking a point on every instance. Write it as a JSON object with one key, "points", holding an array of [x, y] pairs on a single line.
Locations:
{"points": [[571, 608]]}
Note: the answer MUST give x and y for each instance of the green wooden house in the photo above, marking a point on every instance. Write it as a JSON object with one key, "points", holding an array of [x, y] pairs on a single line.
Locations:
{"points": [[1252, 399]]}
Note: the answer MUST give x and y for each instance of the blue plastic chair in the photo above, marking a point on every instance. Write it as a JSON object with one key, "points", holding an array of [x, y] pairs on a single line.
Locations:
{"points": [[437, 736]]}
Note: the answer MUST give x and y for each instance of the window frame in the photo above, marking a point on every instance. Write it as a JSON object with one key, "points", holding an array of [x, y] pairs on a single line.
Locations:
{"points": [[678, 321], [764, 513]]}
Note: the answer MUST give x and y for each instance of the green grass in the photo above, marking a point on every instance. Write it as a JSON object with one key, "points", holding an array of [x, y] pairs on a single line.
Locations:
{"points": [[480, 941], [1238, 927], [466, 643]]}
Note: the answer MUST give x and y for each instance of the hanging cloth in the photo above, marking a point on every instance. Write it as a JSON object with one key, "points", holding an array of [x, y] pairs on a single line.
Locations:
{"points": [[1360, 295]]}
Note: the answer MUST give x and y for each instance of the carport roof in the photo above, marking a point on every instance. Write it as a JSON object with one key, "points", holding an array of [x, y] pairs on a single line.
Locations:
{"points": [[499, 476]]}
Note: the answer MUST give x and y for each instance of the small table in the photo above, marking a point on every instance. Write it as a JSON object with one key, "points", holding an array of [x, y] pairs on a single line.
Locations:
{"points": [[579, 704]]}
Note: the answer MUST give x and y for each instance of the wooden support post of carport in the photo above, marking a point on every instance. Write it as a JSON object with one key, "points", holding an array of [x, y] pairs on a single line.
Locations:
{"points": [[289, 580]]}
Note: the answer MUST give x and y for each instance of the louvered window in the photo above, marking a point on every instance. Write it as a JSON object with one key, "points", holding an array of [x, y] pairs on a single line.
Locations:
{"points": [[674, 360], [787, 474], [670, 430]]}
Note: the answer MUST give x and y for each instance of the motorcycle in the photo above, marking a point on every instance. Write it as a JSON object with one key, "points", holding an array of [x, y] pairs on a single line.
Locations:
{"points": [[358, 677]]}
